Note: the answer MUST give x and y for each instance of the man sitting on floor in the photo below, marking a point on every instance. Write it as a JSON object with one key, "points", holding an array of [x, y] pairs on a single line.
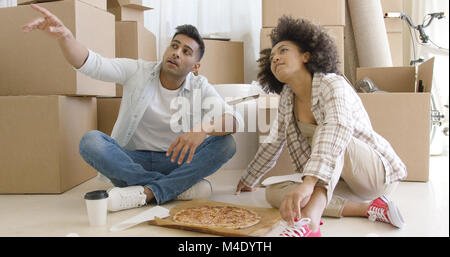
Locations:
{"points": [[150, 156]]}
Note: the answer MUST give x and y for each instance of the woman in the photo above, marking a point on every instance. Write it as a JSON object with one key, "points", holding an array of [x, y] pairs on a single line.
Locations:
{"points": [[344, 167]]}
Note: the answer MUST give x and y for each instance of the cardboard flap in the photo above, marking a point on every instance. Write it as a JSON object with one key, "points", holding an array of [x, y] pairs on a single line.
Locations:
{"points": [[138, 7], [390, 79], [270, 217], [135, 4], [425, 73]]}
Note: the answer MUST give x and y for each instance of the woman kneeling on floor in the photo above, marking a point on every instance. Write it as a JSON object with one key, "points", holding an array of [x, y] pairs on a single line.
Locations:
{"points": [[343, 167]]}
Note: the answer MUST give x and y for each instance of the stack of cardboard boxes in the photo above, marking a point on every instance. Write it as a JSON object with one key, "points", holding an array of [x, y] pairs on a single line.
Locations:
{"points": [[45, 105], [133, 40]]}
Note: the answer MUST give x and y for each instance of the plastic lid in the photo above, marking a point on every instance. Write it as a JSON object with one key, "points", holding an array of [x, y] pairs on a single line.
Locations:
{"points": [[96, 195]]}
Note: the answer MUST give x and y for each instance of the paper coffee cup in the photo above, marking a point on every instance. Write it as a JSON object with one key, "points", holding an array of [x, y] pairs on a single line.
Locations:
{"points": [[96, 203]]}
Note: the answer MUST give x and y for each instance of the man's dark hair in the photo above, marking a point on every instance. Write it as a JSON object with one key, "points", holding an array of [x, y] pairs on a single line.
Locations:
{"points": [[309, 38], [191, 32]]}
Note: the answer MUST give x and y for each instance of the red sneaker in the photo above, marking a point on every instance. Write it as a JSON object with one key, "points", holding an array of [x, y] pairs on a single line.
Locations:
{"points": [[300, 229], [381, 209]]}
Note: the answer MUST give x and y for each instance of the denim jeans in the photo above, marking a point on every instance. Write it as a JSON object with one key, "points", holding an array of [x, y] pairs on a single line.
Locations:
{"points": [[154, 169]]}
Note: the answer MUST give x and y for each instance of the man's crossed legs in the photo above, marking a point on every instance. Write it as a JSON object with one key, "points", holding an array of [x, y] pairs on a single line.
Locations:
{"points": [[141, 176]]}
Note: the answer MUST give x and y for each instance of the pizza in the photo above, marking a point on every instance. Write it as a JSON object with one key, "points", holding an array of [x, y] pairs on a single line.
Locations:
{"points": [[217, 217]]}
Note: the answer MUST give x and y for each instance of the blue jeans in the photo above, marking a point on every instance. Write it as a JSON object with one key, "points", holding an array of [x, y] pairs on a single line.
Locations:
{"points": [[154, 169]]}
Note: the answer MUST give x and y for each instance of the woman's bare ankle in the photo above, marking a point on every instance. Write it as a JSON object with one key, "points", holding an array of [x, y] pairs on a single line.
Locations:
{"points": [[354, 209]]}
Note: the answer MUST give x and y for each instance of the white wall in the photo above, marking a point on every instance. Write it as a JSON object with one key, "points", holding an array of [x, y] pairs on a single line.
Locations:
{"points": [[8, 3], [240, 20]]}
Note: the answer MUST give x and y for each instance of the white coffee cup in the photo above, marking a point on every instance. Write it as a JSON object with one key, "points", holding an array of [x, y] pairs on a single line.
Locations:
{"points": [[96, 203]]}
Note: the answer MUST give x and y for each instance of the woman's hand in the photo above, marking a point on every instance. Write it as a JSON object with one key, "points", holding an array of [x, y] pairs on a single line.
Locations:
{"points": [[295, 200], [242, 187]]}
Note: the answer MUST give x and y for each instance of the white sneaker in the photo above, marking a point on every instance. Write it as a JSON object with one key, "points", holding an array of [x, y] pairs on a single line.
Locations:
{"points": [[121, 198], [203, 189]]}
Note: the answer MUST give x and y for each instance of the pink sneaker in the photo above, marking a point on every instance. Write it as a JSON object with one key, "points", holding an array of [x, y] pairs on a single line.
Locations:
{"points": [[381, 209], [300, 229]]}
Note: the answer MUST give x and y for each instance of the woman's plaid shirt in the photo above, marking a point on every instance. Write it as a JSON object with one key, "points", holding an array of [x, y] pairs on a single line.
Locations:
{"points": [[340, 114]]}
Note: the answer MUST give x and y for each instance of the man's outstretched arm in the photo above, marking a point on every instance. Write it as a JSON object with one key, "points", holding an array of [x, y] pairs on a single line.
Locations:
{"points": [[74, 52]]}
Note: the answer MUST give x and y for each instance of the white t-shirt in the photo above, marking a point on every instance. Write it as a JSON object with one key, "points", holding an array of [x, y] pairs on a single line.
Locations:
{"points": [[153, 132]]}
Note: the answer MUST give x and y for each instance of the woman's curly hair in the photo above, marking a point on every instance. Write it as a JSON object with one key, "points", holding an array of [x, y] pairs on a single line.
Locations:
{"points": [[309, 38]]}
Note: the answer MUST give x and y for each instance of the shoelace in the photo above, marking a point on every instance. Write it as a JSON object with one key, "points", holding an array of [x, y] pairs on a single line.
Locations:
{"points": [[376, 213], [297, 230], [131, 199]]}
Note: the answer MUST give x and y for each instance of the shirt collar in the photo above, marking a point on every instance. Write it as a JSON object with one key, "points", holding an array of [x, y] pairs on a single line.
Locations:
{"points": [[186, 85], [315, 89]]}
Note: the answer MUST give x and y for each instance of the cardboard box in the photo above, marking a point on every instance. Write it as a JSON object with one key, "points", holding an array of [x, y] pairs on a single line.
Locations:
{"points": [[223, 62], [134, 41], [323, 12], [336, 32], [396, 47], [107, 113], [402, 117], [40, 136], [394, 29], [127, 10], [96, 3], [32, 63]]}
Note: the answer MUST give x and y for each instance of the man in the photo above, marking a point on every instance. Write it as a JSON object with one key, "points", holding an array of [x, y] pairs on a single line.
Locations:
{"points": [[150, 156]]}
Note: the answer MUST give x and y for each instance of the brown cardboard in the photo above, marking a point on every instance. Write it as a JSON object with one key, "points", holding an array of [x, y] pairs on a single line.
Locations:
{"points": [[135, 4], [128, 10], [392, 5], [392, 24], [396, 47], [336, 32], [425, 73], [223, 62], [40, 136], [401, 117], [134, 41], [323, 12], [394, 29], [400, 79], [32, 63], [127, 14], [107, 113], [96, 3]]}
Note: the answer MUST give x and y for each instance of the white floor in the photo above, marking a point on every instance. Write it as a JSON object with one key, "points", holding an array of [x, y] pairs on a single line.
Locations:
{"points": [[424, 206]]}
